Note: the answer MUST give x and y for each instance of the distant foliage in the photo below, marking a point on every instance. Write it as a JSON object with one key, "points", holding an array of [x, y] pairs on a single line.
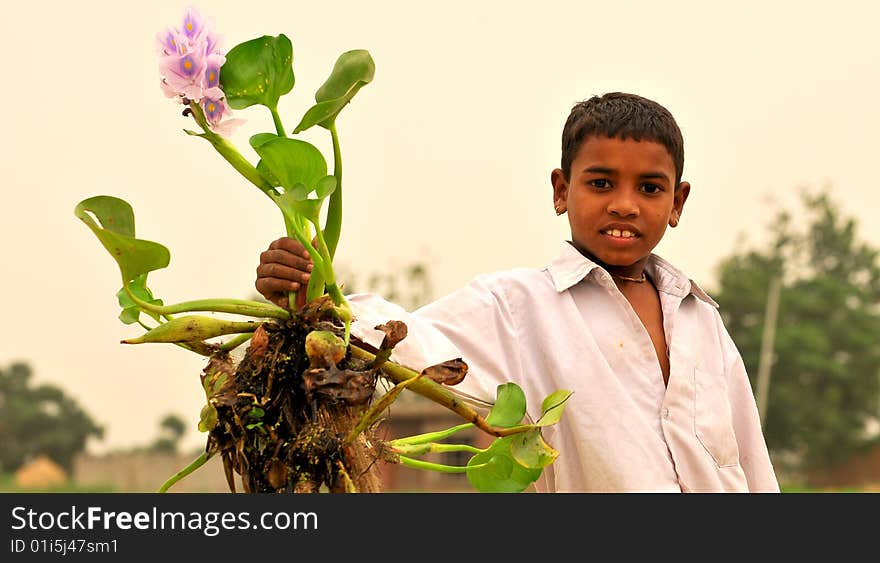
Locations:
{"points": [[409, 286], [823, 392], [171, 428], [39, 419]]}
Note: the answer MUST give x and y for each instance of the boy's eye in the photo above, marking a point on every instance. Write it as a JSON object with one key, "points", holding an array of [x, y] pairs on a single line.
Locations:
{"points": [[651, 188], [600, 183]]}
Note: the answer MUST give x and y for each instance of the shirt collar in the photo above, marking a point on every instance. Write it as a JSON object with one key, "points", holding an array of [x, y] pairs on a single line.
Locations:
{"points": [[571, 267]]}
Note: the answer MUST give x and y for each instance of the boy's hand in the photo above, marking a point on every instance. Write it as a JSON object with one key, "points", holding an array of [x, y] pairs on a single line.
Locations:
{"points": [[285, 266]]}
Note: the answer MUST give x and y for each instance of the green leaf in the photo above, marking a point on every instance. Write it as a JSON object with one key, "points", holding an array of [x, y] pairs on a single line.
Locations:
{"points": [[115, 214], [258, 71], [130, 310], [353, 70], [261, 139], [291, 161], [530, 450], [325, 186], [300, 169], [267, 174], [293, 204], [213, 384], [262, 169], [496, 471], [552, 407], [510, 406], [135, 257], [207, 418]]}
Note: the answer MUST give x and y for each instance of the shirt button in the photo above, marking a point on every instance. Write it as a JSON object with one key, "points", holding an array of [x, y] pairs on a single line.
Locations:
{"points": [[665, 413]]}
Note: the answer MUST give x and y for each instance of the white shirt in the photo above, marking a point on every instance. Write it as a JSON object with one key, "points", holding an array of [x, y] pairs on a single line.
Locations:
{"points": [[567, 326]]}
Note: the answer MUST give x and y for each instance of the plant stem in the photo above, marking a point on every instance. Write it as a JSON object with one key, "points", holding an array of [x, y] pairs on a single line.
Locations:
{"points": [[291, 231], [327, 262], [322, 274], [296, 228], [443, 448], [228, 151], [343, 311], [234, 343], [279, 128], [431, 436], [376, 409], [234, 306], [333, 227], [410, 450], [431, 390], [419, 464], [198, 462]]}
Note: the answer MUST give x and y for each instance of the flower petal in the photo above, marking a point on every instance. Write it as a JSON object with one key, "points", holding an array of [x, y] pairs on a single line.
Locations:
{"points": [[193, 24], [228, 127], [184, 74]]}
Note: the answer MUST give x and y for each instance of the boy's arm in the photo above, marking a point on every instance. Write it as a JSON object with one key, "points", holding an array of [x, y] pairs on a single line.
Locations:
{"points": [[472, 323], [754, 457]]}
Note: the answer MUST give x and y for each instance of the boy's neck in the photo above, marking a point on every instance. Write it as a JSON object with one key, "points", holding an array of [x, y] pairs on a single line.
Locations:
{"points": [[633, 273]]}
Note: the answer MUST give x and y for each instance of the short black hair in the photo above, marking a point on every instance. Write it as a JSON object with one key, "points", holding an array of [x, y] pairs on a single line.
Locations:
{"points": [[617, 114]]}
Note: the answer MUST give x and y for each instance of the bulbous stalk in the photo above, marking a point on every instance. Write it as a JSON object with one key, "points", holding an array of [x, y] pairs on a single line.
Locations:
{"points": [[234, 306]]}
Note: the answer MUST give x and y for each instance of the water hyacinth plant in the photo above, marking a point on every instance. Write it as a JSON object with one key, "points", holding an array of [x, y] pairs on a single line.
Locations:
{"points": [[300, 410]]}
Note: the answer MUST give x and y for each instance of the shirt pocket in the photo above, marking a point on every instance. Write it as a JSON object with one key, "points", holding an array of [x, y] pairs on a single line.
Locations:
{"points": [[713, 420]]}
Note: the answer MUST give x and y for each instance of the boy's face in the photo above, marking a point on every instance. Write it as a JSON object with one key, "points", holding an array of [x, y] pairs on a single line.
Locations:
{"points": [[619, 200]]}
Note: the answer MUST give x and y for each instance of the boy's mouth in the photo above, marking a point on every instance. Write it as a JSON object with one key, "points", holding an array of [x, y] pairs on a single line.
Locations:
{"points": [[620, 233]]}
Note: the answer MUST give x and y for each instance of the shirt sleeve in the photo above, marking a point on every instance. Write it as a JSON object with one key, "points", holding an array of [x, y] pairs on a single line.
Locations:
{"points": [[473, 323], [753, 455]]}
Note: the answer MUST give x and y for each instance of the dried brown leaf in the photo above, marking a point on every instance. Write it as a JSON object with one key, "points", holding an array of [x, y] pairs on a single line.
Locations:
{"points": [[450, 372], [395, 331]]}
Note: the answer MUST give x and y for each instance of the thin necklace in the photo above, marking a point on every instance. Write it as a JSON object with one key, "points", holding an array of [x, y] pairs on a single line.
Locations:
{"points": [[639, 279]]}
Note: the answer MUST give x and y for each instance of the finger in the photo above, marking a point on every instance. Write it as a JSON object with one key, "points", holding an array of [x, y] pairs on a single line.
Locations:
{"points": [[285, 258], [282, 272], [269, 287], [290, 245]]}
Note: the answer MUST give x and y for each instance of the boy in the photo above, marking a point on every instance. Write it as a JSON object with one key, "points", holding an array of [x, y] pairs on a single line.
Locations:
{"points": [[661, 398]]}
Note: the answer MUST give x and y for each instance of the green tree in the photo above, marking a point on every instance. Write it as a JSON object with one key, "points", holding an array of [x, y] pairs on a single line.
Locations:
{"points": [[38, 420], [823, 391], [171, 429]]}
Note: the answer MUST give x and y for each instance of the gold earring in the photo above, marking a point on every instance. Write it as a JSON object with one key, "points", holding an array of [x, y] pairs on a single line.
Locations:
{"points": [[559, 211], [673, 221]]}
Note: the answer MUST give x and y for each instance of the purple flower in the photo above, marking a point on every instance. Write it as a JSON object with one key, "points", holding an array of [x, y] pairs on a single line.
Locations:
{"points": [[168, 90], [213, 43], [185, 74], [190, 59], [170, 42], [193, 25], [211, 83], [216, 110]]}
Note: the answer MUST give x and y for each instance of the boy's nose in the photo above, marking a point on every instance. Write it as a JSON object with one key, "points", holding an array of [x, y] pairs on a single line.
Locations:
{"points": [[623, 206]]}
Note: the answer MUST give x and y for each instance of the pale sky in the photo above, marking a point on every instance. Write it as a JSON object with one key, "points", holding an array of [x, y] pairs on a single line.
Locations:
{"points": [[447, 153]]}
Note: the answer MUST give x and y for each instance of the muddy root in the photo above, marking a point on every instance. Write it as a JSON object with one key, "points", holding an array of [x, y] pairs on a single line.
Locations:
{"points": [[279, 418]]}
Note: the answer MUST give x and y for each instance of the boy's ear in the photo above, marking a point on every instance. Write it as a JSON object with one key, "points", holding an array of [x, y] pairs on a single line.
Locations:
{"points": [[679, 197], [560, 191]]}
